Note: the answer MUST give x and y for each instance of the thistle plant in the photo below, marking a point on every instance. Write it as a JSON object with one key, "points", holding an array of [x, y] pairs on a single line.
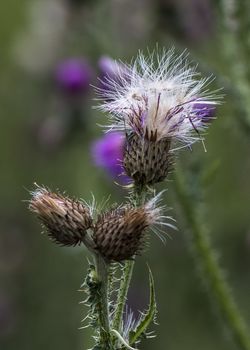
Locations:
{"points": [[156, 106]]}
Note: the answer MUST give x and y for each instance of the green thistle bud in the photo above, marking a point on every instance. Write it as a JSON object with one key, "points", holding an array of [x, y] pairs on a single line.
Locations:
{"points": [[65, 219]]}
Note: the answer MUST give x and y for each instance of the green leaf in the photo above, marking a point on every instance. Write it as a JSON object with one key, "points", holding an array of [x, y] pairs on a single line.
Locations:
{"points": [[147, 318]]}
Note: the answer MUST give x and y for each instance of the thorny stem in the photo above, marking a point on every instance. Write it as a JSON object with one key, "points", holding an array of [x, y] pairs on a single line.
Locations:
{"points": [[102, 272], [210, 269], [138, 197], [122, 295]]}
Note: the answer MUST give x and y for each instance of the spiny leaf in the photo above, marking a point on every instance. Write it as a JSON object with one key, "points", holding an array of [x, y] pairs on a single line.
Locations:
{"points": [[148, 316], [91, 287]]}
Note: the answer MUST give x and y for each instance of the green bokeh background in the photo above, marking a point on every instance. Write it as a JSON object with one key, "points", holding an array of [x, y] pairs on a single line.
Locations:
{"points": [[39, 301]]}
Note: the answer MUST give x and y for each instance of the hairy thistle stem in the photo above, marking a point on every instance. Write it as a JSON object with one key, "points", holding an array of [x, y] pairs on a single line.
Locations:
{"points": [[122, 295], [102, 272], [138, 198], [210, 269]]}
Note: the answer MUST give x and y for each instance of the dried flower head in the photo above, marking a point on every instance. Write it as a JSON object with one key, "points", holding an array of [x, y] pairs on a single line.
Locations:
{"points": [[119, 234], [160, 101], [65, 219]]}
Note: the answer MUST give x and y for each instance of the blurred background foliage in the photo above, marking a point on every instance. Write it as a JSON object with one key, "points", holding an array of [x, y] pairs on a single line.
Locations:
{"points": [[46, 135]]}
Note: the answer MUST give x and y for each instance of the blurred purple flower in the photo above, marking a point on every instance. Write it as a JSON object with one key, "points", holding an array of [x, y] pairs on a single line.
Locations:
{"points": [[73, 75], [197, 19], [111, 70], [205, 111], [107, 153], [108, 66]]}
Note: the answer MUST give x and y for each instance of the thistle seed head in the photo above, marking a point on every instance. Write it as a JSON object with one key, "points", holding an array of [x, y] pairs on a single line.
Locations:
{"points": [[160, 95], [65, 219], [147, 161]]}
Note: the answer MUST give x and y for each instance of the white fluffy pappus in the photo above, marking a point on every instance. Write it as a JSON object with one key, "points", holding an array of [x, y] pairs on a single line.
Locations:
{"points": [[159, 96], [156, 218]]}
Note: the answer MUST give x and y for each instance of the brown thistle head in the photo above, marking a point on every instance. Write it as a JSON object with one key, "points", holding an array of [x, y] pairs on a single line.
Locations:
{"points": [[120, 234], [65, 219]]}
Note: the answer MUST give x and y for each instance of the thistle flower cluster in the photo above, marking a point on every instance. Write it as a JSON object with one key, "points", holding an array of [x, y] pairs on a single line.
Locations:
{"points": [[117, 234], [156, 106], [160, 105]]}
